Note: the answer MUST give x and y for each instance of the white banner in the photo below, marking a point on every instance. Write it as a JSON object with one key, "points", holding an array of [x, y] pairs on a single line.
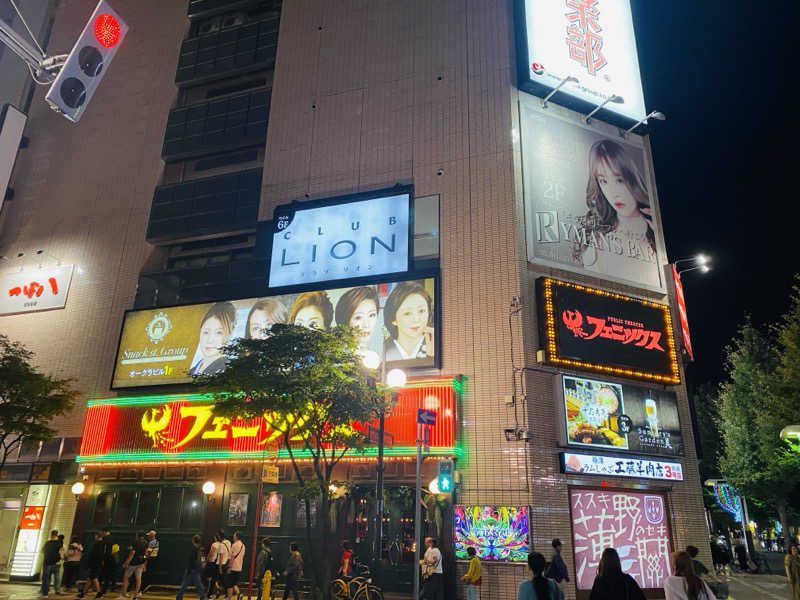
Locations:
{"points": [[33, 290], [616, 466]]}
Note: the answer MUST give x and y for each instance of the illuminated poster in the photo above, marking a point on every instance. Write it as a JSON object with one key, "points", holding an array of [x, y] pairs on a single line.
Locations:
{"points": [[590, 40], [603, 331], [237, 509], [340, 239], [32, 517], [271, 510], [499, 533], [633, 523], [589, 206], [612, 416], [170, 345]]}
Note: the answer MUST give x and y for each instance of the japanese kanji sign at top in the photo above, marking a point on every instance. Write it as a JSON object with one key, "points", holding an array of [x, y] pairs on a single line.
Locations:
{"points": [[33, 290], [633, 523], [607, 332], [591, 40]]}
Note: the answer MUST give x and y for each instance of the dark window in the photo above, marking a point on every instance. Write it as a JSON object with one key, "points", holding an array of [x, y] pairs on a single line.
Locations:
{"points": [[102, 508], [148, 506], [192, 516], [50, 448], [71, 446], [29, 450], [169, 509], [124, 509]]}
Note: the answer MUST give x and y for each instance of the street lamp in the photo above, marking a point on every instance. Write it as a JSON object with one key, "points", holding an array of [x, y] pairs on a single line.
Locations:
{"points": [[394, 379], [701, 263]]}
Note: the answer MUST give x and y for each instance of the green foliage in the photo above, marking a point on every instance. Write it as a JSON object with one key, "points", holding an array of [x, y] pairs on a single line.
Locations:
{"points": [[29, 399]]}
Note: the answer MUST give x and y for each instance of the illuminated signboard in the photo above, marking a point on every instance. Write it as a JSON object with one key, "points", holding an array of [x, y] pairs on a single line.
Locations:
{"points": [[170, 345], [602, 331], [590, 204], [30, 291], [341, 239], [683, 317], [635, 523], [613, 416], [497, 533], [184, 428], [591, 41], [615, 466]]}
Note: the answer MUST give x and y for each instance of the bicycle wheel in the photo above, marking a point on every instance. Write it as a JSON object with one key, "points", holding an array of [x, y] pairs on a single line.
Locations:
{"points": [[368, 591], [339, 590]]}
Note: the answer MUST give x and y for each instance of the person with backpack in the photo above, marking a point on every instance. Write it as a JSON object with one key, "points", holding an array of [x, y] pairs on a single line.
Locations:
{"points": [[611, 583], [235, 565], [538, 587], [558, 568], [263, 573], [134, 565], [51, 552], [472, 578], [684, 584], [72, 563], [192, 571]]}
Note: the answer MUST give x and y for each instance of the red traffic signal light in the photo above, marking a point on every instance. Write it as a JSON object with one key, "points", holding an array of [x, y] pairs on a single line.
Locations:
{"points": [[107, 30]]}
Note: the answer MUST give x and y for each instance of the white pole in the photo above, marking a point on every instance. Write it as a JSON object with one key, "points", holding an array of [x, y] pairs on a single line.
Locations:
{"points": [[418, 512], [746, 527]]}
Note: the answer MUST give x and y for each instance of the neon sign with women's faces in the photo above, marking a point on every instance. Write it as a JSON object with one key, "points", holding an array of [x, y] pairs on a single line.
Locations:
{"points": [[171, 345]]}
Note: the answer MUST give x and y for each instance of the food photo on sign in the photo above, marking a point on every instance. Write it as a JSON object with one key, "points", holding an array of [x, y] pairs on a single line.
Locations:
{"points": [[172, 345], [613, 416], [588, 201]]}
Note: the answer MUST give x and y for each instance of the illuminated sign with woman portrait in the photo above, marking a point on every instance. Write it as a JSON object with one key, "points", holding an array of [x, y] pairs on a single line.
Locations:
{"points": [[171, 345], [589, 205]]}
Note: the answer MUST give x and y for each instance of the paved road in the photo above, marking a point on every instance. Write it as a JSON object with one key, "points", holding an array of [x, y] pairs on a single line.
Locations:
{"points": [[741, 587]]}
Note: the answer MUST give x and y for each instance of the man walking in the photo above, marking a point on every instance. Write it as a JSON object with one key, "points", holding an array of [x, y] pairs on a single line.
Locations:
{"points": [[193, 569], [134, 565], [50, 564], [558, 568], [235, 566], [432, 571], [151, 559], [293, 572], [95, 560]]}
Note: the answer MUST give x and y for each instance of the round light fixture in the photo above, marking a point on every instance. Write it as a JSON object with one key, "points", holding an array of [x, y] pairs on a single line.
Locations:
{"points": [[209, 488], [78, 488], [396, 378], [370, 359]]}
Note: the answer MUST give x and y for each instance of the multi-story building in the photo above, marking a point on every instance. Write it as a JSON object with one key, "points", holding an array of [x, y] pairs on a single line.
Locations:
{"points": [[545, 345]]}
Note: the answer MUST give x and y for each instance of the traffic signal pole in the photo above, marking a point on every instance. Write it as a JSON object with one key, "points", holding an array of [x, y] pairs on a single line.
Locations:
{"points": [[46, 68], [418, 512]]}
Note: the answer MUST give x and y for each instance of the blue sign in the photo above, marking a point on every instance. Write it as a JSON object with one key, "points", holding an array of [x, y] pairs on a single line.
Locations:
{"points": [[426, 417]]}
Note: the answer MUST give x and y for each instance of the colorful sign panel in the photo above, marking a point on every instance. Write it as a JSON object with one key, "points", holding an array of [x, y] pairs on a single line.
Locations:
{"points": [[634, 523], [598, 330], [589, 202], [31, 291], [497, 533], [613, 416], [170, 345], [682, 316], [343, 239], [32, 517], [271, 510], [616, 466], [184, 427], [592, 41]]}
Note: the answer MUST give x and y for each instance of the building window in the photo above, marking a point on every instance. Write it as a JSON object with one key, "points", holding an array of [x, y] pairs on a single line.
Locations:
{"points": [[426, 227], [102, 508], [124, 508], [148, 508]]}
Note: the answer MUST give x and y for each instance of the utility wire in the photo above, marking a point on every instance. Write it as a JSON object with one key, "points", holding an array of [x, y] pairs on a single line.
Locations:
{"points": [[33, 37]]}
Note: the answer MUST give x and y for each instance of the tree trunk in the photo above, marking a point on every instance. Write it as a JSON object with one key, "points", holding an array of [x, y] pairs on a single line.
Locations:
{"points": [[780, 506]]}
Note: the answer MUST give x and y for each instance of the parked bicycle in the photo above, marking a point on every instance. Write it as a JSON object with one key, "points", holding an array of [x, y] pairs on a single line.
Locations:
{"points": [[358, 587]]}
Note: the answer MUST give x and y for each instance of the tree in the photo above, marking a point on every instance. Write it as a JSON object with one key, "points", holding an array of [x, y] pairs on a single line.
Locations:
{"points": [[310, 387], [29, 399], [753, 410]]}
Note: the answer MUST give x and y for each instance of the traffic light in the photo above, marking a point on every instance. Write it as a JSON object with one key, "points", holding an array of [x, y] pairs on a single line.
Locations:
{"points": [[444, 478], [87, 62]]}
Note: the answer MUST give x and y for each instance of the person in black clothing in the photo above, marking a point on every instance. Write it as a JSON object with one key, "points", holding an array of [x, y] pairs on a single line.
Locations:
{"points": [[741, 556], [108, 575], [192, 571], [558, 568], [95, 562], [611, 583], [134, 564], [52, 556], [699, 568]]}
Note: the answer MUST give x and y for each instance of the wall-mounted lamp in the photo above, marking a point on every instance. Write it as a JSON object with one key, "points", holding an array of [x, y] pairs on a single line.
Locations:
{"points": [[209, 487], [612, 98], [653, 115], [55, 258], [78, 488], [566, 80]]}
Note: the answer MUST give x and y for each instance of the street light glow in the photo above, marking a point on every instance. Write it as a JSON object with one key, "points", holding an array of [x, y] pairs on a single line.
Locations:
{"points": [[209, 488], [78, 488], [370, 359], [396, 378]]}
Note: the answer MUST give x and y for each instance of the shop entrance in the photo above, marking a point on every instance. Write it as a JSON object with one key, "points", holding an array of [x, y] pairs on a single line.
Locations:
{"points": [[10, 506]]}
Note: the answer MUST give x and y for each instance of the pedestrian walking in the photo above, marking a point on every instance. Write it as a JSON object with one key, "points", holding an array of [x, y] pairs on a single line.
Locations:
{"points": [[432, 571], [558, 568], [293, 572], [685, 584], [741, 556], [193, 570], [791, 563], [151, 559], [133, 565], [72, 563], [235, 565], [699, 568], [51, 556], [95, 560], [264, 566], [538, 587], [611, 583], [223, 562], [472, 578], [108, 577], [212, 571]]}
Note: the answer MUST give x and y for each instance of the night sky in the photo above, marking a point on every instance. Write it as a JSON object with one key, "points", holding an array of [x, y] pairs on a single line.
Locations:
{"points": [[721, 72]]}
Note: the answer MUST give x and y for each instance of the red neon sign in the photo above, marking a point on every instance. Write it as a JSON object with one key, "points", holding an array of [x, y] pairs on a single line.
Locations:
{"points": [[32, 517], [682, 316]]}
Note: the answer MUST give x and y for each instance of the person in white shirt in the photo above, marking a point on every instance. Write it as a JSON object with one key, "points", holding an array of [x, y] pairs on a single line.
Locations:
{"points": [[684, 584], [236, 562], [432, 572], [211, 571], [223, 557]]}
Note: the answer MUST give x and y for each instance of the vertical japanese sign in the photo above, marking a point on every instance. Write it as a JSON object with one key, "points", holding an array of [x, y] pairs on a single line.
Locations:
{"points": [[32, 517], [682, 316], [590, 40], [633, 523], [30, 291]]}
